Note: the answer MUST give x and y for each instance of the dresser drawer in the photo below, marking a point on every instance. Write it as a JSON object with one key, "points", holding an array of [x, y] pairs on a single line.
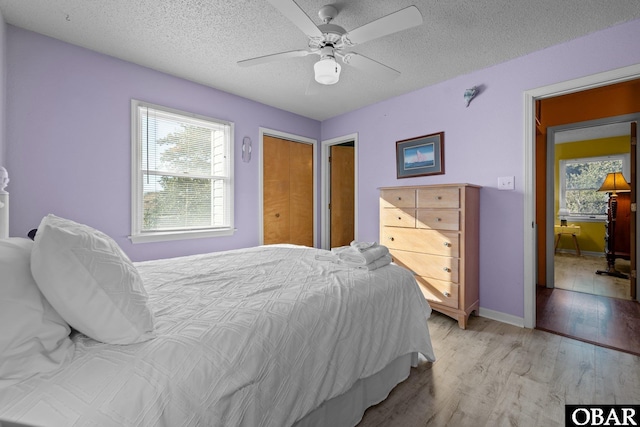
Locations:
{"points": [[445, 243], [439, 291], [438, 197], [434, 266], [438, 219], [398, 217], [398, 198]]}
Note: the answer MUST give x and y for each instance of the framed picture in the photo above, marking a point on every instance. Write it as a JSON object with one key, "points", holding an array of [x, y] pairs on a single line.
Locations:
{"points": [[420, 156]]}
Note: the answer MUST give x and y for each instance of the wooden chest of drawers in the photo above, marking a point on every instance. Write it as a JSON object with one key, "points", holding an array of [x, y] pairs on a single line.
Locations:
{"points": [[433, 231]]}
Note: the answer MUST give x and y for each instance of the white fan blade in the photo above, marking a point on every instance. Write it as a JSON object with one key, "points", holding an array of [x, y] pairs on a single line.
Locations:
{"points": [[313, 87], [296, 15], [392, 23], [273, 57], [369, 66]]}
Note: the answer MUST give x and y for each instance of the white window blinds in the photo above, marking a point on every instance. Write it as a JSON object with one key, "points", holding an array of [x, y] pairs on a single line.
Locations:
{"points": [[183, 172]]}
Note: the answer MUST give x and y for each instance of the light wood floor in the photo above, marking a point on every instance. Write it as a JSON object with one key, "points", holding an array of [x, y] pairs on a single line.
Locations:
{"points": [[577, 273], [495, 374]]}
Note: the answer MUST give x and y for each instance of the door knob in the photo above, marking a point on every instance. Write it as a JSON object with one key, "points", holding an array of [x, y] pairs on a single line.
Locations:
{"points": [[277, 215]]}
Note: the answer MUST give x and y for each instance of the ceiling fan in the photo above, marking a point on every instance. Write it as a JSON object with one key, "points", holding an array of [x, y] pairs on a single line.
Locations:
{"points": [[331, 41]]}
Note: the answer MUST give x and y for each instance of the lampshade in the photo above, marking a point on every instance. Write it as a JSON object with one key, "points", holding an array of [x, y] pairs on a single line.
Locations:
{"points": [[615, 183], [327, 71]]}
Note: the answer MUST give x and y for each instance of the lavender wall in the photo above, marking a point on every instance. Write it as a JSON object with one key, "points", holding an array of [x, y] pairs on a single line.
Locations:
{"points": [[3, 73], [68, 123], [482, 142]]}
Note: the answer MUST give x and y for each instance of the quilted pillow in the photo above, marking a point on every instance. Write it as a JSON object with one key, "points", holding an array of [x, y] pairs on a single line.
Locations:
{"points": [[91, 282], [34, 337]]}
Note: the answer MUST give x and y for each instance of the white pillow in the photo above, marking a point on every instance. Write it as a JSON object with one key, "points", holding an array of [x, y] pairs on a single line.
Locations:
{"points": [[91, 282], [34, 338]]}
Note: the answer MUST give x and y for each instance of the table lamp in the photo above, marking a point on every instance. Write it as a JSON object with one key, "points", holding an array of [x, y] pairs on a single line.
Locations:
{"points": [[563, 213], [613, 183]]}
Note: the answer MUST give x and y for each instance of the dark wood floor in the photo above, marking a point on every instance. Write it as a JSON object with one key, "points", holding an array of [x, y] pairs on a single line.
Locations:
{"points": [[607, 322]]}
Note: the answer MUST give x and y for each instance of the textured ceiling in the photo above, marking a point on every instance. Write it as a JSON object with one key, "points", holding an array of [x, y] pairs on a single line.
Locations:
{"points": [[595, 132], [202, 40]]}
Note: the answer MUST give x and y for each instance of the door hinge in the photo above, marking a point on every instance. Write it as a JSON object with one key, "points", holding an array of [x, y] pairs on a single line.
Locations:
{"points": [[634, 274], [329, 159], [634, 207], [329, 206]]}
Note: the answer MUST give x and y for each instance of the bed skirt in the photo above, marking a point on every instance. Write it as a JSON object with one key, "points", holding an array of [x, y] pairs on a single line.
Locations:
{"points": [[348, 408]]}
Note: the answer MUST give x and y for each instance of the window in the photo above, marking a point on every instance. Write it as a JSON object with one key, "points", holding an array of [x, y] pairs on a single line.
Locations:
{"points": [[182, 174], [580, 180]]}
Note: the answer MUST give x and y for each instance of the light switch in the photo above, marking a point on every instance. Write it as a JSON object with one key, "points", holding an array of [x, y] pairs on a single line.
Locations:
{"points": [[506, 183]]}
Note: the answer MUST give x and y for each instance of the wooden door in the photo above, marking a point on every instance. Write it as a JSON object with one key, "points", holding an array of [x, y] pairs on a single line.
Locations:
{"points": [[342, 209], [301, 193], [287, 192]]}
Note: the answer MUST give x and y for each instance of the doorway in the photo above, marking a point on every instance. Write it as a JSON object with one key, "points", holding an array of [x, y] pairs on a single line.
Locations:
{"points": [[532, 186], [575, 173], [341, 194], [287, 189], [580, 241], [339, 191]]}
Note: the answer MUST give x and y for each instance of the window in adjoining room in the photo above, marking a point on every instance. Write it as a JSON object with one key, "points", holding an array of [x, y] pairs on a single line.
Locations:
{"points": [[580, 180], [182, 174]]}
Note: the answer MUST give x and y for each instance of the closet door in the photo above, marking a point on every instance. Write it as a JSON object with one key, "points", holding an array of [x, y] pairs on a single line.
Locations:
{"points": [[275, 190], [287, 192], [301, 193]]}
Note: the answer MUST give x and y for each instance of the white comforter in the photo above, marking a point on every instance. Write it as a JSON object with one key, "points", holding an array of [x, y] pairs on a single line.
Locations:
{"points": [[253, 337]]}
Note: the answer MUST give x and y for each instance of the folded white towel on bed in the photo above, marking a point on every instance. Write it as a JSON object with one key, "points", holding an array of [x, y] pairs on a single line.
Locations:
{"points": [[380, 262], [363, 246], [352, 256]]}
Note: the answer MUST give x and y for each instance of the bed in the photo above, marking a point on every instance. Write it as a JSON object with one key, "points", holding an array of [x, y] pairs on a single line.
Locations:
{"points": [[264, 336]]}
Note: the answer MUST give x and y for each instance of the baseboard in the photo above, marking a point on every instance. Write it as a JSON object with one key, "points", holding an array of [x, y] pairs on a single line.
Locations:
{"points": [[501, 317], [585, 253]]}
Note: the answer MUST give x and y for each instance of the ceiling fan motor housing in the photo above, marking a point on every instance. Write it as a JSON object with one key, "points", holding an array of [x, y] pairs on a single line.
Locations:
{"points": [[332, 36]]}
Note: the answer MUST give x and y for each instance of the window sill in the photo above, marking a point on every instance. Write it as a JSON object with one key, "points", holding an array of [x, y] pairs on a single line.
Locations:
{"points": [[179, 235], [574, 219]]}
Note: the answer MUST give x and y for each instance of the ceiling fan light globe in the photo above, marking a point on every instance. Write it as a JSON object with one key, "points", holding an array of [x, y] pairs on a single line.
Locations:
{"points": [[327, 71]]}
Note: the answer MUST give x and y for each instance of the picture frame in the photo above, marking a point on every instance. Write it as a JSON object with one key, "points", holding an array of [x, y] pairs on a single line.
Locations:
{"points": [[420, 156]]}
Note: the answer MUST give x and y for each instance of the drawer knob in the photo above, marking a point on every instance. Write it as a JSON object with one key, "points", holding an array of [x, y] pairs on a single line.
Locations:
{"points": [[391, 238], [399, 218], [277, 215], [438, 197], [438, 219], [447, 244], [446, 294], [447, 269], [399, 198]]}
